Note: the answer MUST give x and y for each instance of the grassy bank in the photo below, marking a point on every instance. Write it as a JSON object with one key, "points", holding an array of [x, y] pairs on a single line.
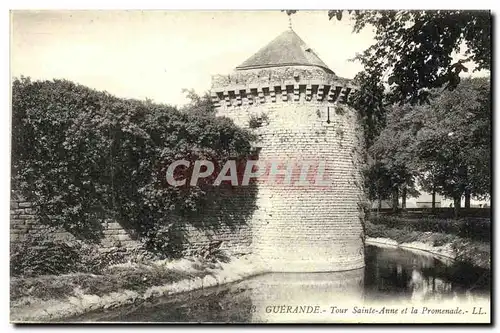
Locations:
{"points": [[473, 228], [465, 240], [49, 297]]}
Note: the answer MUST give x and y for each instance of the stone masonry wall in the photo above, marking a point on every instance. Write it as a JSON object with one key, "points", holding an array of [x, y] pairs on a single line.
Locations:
{"points": [[234, 241], [235, 235], [23, 223], [303, 119], [225, 220]]}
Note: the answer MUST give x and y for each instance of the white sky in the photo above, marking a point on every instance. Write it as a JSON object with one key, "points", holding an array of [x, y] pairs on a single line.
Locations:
{"points": [[155, 54]]}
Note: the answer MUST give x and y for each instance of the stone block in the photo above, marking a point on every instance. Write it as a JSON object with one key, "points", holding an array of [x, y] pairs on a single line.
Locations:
{"points": [[27, 217], [25, 204], [122, 237]]}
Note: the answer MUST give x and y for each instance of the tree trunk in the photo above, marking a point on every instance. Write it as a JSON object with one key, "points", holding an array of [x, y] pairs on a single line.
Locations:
{"points": [[395, 197], [467, 190], [403, 199], [456, 203], [433, 199], [467, 198]]}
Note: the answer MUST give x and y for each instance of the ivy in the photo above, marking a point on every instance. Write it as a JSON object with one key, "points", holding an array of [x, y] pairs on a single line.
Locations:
{"points": [[83, 156]]}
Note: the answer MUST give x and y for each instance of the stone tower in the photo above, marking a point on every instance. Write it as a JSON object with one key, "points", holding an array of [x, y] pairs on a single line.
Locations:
{"points": [[297, 107]]}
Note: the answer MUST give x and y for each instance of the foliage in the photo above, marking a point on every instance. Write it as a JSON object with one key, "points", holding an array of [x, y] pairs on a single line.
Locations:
{"points": [[53, 127], [382, 231], [257, 121], [377, 181], [35, 256], [473, 250], [381, 177], [115, 279], [82, 156], [453, 146], [41, 254], [471, 228], [200, 106], [472, 253], [416, 47], [212, 253], [437, 212], [391, 169], [445, 144], [386, 180], [369, 101]]}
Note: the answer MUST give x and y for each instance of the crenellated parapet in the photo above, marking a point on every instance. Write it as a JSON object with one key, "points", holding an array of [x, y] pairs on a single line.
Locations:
{"points": [[279, 85]]}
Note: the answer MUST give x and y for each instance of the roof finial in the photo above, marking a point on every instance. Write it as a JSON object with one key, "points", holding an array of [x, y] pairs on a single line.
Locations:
{"points": [[289, 13]]}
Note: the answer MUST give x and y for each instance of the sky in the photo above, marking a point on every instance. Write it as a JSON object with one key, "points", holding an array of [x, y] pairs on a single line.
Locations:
{"points": [[155, 54]]}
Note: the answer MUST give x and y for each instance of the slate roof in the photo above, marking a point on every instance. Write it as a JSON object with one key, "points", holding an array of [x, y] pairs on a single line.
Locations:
{"points": [[288, 49]]}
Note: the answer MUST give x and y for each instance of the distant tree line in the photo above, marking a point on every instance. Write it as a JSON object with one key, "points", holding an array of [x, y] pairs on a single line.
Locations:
{"points": [[444, 146]]}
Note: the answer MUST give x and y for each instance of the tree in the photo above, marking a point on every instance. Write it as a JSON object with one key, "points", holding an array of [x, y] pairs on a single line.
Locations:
{"points": [[391, 149], [388, 181], [416, 48], [454, 144], [428, 182], [198, 105], [446, 144], [369, 101]]}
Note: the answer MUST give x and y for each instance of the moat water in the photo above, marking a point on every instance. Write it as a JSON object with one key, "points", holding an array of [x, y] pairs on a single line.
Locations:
{"points": [[391, 276]]}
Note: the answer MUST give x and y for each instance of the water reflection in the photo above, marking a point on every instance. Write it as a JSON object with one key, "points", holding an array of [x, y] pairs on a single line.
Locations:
{"points": [[400, 274], [298, 297], [390, 275]]}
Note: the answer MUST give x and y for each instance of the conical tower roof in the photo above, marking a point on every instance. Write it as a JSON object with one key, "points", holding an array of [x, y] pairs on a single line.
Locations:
{"points": [[288, 49]]}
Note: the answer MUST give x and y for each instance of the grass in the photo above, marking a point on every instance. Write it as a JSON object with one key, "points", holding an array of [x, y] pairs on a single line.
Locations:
{"points": [[467, 250], [49, 297], [469, 227], [137, 277], [404, 235]]}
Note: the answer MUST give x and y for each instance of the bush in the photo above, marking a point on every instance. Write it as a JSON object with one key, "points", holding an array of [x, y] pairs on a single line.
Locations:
{"points": [[258, 121], [32, 259], [472, 228], [82, 156], [94, 259], [38, 254]]}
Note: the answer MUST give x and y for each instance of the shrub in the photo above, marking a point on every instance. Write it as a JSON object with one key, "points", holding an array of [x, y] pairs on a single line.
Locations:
{"points": [[82, 156], [472, 228], [44, 287], [37, 256], [439, 241], [257, 121], [93, 259]]}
